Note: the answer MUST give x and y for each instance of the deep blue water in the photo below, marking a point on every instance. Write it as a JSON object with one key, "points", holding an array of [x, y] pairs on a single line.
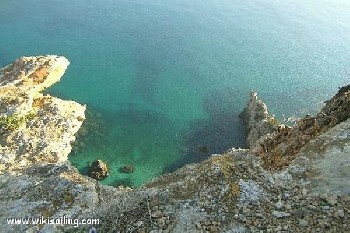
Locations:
{"points": [[168, 78]]}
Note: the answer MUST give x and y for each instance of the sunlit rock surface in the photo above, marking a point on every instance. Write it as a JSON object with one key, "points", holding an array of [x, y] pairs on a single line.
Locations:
{"points": [[35, 128], [325, 161]]}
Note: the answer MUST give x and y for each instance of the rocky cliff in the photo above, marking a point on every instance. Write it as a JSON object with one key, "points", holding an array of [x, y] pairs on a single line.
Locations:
{"points": [[258, 120], [281, 147], [232, 192], [35, 128]]}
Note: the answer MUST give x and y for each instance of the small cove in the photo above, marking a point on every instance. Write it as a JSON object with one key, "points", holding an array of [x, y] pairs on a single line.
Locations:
{"points": [[164, 81]]}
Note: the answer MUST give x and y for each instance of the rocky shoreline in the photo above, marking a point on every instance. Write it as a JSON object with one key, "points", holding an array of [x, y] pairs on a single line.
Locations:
{"points": [[292, 179]]}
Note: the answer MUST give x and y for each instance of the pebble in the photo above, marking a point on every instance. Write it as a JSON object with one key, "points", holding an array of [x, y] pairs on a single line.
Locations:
{"points": [[139, 223], [279, 228], [279, 205], [271, 180], [278, 214], [156, 214], [141, 230], [161, 223], [340, 213], [332, 200], [303, 223], [213, 229], [288, 207]]}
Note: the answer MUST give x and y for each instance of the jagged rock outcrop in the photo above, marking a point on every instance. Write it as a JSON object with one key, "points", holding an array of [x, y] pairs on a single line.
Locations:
{"points": [[280, 148], [258, 120], [225, 193]]}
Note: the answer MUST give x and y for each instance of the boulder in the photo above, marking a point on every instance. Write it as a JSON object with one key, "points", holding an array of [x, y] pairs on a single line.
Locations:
{"points": [[98, 170]]}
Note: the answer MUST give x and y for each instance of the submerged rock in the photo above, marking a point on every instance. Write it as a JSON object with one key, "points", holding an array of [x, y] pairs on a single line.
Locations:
{"points": [[203, 149], [127, 169], [98, 170]]}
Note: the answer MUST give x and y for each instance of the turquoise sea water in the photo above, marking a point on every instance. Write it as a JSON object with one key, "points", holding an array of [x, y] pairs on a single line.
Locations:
{"points": [[167, 78]]}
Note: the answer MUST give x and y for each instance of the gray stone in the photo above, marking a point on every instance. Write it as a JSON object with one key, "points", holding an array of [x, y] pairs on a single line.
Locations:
{"points": [[332, 200], [279, 214], [279, 228], [157, 214], [341, 213], [303, 223], [279, 205]]}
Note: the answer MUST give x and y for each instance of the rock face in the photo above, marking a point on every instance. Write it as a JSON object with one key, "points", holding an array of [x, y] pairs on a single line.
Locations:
{"points": [[280, 148], [258, 121], [235, 191], [98, 170], [325, 160], [35, 128]]}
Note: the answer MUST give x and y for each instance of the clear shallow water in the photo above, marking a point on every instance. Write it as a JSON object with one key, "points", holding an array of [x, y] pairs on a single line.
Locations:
{"points": [[170, 77]]}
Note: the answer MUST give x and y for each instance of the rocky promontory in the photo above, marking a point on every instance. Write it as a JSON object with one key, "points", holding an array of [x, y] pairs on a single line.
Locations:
{"points": [[281, 147], [35, 128], [292, 179], [257, 119]]}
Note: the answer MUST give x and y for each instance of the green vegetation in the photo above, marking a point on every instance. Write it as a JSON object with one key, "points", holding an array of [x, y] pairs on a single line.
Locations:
{"points": [[10, 123]]}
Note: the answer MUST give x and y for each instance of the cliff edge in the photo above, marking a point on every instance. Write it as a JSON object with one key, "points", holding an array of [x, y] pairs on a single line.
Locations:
{"points": [[35, 128], [281, 147]]}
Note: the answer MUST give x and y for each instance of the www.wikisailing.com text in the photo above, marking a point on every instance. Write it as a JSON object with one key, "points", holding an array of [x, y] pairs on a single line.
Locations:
{"points": [[53, 221]]}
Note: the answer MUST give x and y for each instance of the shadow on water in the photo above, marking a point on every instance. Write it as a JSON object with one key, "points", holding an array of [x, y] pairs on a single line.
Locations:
{"points": [[141, 134], [145, 80], [85, 170], [126, 182], [92, 133], [131, 113], [6, 58], [220, 132]]}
